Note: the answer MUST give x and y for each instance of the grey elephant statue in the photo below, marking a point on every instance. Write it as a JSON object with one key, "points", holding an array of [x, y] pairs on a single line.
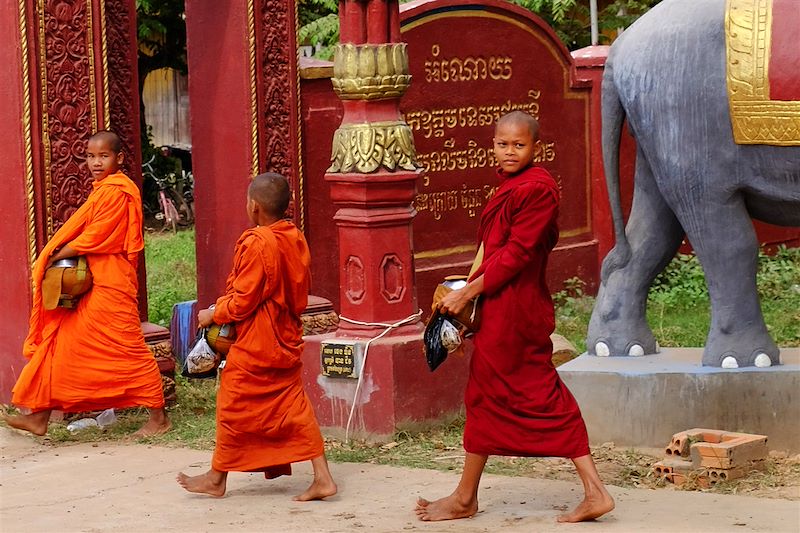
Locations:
{"points": [[718, 143]]}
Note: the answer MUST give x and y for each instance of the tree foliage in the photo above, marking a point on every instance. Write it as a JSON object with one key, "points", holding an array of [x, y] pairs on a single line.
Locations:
{"points": [[569, 18], [319, 25], [161, 30], [162, 35]]}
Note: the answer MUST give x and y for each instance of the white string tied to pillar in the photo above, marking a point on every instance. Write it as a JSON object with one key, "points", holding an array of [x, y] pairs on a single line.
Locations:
{"points": [[388, 327]]}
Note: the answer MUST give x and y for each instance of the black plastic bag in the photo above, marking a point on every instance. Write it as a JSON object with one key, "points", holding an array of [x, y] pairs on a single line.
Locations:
{"points": [[435, 352]]}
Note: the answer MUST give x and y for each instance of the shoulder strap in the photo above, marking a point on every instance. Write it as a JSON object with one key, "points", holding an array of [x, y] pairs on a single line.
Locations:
{"points": [[477, 262]]}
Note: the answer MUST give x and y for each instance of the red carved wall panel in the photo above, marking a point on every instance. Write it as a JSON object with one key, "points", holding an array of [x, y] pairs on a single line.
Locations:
{"points": [[68, 113], [123, 84], [279, 134]]}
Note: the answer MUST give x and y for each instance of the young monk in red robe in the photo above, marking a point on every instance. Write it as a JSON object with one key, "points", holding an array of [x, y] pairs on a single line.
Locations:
{"points": [[516, 403], [94, 356], [265, 421]]}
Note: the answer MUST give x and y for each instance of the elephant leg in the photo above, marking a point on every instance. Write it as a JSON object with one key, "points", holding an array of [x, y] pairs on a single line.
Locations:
{"points": [[725, 242], [618, 325]]}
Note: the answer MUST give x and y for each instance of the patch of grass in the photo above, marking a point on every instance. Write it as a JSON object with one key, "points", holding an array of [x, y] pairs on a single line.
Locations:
{"points": [[678, 308], [171, 273]]}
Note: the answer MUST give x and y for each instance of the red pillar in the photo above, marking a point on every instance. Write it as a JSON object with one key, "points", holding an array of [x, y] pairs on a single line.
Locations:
{"points": [[373, 177], [16, 168], [243, 88], [373, 173]]}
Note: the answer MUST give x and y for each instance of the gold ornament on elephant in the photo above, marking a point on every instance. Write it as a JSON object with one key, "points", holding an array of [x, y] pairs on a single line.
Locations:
{"points": [[755, 117]]}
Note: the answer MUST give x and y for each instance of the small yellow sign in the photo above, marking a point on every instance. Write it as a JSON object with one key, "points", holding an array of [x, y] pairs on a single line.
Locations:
{"points": [[339, 359]]}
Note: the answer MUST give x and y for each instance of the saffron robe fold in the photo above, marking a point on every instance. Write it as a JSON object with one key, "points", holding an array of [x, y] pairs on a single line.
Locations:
{"points": [[516, 403], [94, 356], [264, 417]]}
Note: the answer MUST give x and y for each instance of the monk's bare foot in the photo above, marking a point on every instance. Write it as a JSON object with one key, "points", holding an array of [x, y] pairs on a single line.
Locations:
{"points": [[152, 428], [202, 484], [34, 423], [590, 508], [449, 508], [319, 490]]}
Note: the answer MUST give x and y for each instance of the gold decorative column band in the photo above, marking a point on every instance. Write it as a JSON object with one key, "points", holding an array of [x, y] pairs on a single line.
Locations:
{"points": [[756, 119], [106, 94], [26, 133], [301, 219], [48, 176], [370, 71], [90, 55], [251, 42], [366, 147]]}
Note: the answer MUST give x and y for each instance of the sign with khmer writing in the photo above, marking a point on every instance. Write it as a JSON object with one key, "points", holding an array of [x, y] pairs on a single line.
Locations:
{"points": [[471, 63], [341, 358]]}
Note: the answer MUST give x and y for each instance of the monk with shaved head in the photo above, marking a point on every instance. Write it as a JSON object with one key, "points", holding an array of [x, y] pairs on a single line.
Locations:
{"points": [[265, 421], [93, 356], [516, 404]]}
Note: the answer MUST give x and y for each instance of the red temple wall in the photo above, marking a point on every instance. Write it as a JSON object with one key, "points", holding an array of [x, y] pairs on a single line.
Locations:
{"points": [[222, 152], [14, 267], [243, 85]]}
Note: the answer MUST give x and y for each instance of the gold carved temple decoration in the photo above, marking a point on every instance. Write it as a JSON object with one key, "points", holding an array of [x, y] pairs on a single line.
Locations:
{"points": [[366, 147], [370, 71], [251, 49], [90, 55], [27, 135], [301, 208], [106, 92], [48, 175], [756, 119]]}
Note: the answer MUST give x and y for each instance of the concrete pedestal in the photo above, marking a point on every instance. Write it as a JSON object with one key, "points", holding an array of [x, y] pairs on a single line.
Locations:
{"points": [[398, 389], [643, 401]]}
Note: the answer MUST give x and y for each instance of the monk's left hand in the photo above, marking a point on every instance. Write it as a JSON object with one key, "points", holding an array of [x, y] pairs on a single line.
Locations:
{"points": [[205, 318]]}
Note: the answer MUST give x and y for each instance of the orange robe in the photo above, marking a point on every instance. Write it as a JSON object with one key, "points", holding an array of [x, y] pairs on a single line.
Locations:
{"points": [[265, 420], [94, 356]]}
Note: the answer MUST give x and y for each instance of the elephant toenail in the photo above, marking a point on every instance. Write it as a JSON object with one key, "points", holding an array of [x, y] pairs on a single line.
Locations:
{"points": [[763, 360], [636, 350], [730, 362], [601, 349]]}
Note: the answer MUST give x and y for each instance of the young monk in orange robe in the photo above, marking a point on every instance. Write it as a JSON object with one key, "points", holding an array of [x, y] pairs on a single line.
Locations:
{"points": [[94, 356], [265, 421], [516, 403]]}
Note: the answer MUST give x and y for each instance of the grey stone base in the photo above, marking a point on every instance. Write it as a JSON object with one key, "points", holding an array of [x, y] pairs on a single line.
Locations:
{"points": [[643, 401]]}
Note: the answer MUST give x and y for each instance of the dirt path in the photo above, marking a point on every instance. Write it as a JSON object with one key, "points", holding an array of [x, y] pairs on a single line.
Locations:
{"points": [[131, 488]]}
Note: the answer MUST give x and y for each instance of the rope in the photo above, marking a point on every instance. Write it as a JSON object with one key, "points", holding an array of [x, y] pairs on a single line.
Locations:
{"points": [[388, 327]]}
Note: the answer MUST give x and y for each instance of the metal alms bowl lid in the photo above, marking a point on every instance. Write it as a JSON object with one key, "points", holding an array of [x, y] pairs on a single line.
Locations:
{"points": [[455, 284], [69, 262]]}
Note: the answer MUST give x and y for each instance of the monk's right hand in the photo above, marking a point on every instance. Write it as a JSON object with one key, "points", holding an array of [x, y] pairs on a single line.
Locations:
{"points": [[205, 317], [454, 302]]}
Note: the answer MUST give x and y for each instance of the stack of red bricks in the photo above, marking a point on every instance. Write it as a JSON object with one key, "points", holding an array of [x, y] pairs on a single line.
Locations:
{"points": [[711, 456]]}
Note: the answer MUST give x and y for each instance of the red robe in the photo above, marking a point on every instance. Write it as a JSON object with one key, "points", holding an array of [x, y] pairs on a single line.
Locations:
{"points": [[516, 403], [265, 420], [94, 356]]}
